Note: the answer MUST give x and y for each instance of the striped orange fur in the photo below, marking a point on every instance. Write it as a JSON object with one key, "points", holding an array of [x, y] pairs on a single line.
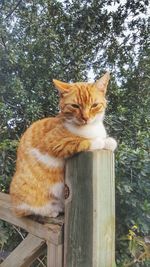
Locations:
{"points": [[38, 183]]}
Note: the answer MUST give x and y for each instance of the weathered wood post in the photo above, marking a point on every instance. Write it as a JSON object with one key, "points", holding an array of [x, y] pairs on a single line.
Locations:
{"points": [[89, 237]]}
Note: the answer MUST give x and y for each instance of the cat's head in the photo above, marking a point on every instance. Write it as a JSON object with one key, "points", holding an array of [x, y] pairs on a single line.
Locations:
{"points": [[83, 103]]}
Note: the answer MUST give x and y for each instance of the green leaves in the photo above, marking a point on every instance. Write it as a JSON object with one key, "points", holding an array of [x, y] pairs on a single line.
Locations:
{"points": [[42, 40], [3, 237]]}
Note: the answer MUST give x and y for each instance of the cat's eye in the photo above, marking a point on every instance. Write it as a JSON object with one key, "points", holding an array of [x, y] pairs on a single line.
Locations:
{"points": [[75, 106], [94, 105]]}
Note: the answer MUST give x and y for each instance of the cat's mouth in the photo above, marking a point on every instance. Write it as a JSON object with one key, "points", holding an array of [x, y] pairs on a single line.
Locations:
{"points": [[81, 122]]}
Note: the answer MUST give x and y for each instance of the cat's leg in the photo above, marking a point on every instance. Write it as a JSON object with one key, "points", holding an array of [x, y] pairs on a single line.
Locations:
{"points": [[17, 208], [57, 207], [97, 143], [56, 194], [45, 198], [110, 144], [50, 209], [22, 212]]}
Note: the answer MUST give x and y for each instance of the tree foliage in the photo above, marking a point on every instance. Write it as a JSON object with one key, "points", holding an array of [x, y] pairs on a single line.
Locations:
{"points": [[45, 39]]}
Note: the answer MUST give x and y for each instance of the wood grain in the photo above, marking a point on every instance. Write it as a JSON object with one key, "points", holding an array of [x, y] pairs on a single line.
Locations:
{"points": [[54, 255], [27, 251], [50, 230], [90, 211]]}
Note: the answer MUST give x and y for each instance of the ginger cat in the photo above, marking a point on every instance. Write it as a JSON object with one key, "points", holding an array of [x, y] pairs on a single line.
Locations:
{"points": [[38, 184]]}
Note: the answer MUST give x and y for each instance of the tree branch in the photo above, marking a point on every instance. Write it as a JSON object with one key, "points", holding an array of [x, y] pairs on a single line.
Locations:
{"points": [[12, 11], [3, 42]]}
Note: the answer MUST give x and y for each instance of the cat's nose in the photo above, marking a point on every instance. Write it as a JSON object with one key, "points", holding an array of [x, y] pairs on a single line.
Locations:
{"points": [[85, 121], [85, 117]]}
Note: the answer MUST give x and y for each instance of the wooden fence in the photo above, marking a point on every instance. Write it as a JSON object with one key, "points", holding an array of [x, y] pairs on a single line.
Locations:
{"points": [[85, 237]]}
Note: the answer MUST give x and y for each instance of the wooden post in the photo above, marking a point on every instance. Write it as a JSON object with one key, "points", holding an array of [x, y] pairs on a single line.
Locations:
{"points": [[89, 238], [54, 255]]}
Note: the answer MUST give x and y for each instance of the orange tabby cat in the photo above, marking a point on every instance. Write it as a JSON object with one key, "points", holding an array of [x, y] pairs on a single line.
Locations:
{"points": [[38, 184]]}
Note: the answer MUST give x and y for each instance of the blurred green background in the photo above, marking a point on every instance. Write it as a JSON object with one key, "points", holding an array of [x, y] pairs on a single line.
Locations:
{"points": [[78, 41]]}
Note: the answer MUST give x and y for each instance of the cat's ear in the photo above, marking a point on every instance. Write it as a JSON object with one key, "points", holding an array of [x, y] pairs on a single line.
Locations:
{"points": [[61, 86], [102, 83]]}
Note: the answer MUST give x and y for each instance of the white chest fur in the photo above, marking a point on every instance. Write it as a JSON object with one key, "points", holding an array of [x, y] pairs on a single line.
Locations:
{"points": [[90, 131], [46, 159]]}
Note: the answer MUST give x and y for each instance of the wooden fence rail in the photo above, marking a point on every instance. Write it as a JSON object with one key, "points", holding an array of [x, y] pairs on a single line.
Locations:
{"points": [[44, 231], [89, 224]]}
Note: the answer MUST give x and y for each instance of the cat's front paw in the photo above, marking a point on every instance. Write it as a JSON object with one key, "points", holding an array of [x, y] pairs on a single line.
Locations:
{"points": [[53, 214], [110, 144], [97, 143]]}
